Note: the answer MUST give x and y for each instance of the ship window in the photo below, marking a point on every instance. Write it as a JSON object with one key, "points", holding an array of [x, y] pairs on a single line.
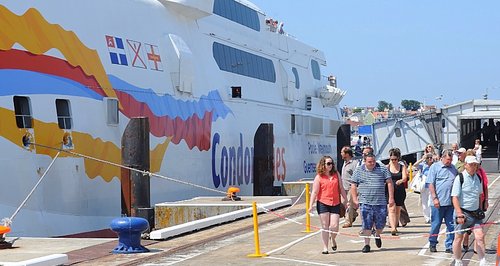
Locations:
{"points": [[296, 74], [315, 69], [22, 111], [112, 111], [63, 114], [397, 131], [238, 13], [243, 63]]}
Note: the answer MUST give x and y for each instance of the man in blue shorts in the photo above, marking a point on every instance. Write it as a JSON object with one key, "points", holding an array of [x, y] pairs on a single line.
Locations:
{"points": [[465, 196], [369, 181]]}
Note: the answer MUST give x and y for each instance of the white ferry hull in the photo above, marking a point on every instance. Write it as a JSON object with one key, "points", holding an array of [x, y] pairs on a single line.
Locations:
{"points": [[73, 74]]}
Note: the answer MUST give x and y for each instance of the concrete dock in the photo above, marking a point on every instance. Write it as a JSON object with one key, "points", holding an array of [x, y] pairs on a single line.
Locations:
{"points": [[282, 241]]}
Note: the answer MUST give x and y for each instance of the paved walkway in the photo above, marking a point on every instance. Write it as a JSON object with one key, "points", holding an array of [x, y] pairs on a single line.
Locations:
{"points": [[281, 238]]}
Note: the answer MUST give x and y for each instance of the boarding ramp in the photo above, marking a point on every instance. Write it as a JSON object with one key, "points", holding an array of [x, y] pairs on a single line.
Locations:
{"points": [[409, 134]]}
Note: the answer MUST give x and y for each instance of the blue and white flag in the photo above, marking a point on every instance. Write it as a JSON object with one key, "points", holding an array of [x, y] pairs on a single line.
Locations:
{"points": [[116, 50]]}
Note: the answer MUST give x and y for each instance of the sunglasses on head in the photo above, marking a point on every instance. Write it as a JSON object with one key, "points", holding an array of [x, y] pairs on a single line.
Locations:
{"points": [[328, 163]]}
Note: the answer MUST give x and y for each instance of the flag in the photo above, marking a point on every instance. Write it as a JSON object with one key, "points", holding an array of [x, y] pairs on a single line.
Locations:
{"points": [[116, 50], [153, 55], [136, 54]]}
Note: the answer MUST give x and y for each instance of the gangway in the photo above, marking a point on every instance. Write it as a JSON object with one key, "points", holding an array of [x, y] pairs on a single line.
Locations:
{"points": [[460, 123], [410, 134]]}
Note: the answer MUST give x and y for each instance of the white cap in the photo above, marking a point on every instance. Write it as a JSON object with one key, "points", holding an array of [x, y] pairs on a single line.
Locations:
{"points": [[471, 159], [462, 150]]}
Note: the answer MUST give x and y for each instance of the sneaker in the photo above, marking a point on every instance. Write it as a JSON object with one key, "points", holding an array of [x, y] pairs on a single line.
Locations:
{"points": [[378, 242], [449, 251], [482, 262], [432, 249], [458, 262], [366, 249]]}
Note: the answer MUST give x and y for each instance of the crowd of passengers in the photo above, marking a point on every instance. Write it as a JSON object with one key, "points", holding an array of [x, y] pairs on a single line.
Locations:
{"points": [[453, 188]]}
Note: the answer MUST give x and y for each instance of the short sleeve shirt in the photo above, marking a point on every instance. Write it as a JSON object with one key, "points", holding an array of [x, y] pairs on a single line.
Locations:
{"points": [[468, 192], [371, 184], [442, 177], [347, 172]]}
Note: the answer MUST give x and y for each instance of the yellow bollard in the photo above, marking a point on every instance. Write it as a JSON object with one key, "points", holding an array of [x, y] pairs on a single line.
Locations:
{"points": [[308, 215], [411, 176], [256, 234]]}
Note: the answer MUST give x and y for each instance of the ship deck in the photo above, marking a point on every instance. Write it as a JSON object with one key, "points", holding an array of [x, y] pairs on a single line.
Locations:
{"points": [[282, 239]]}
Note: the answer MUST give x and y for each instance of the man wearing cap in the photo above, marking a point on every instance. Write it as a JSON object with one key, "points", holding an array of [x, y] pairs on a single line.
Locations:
{"points": [[440, 181], [461, 160], [465, 197]]}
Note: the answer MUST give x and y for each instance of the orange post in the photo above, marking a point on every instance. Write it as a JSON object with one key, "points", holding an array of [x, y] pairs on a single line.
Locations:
{"points": [[257, 253], [498, 249], [308, 214]]}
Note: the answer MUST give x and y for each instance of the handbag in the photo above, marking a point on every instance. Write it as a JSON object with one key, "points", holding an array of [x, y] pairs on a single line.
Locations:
{"points": [[477, 214], [416, 183], [342, 207], [342, 210]]}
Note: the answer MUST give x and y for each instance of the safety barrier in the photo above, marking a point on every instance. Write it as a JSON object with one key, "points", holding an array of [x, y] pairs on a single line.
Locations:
{"points": [[257, 253]]}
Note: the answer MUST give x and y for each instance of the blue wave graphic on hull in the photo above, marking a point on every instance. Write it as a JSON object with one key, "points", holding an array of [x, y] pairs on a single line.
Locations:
{"points": [[166, 105]]}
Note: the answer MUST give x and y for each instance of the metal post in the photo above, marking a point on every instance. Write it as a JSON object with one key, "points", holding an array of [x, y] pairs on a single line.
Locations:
{"points": [[308, 214], [135, 185], [256, 233]]}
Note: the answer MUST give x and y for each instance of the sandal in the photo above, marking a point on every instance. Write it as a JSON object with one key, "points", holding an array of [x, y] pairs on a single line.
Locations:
{"points": [[334, 245]]}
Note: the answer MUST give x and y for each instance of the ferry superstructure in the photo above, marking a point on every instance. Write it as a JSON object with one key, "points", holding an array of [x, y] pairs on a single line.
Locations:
{"points": [[230, 102]]}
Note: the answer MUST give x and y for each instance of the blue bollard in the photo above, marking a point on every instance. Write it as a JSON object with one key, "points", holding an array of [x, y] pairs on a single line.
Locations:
{"points": [[129, 231]]}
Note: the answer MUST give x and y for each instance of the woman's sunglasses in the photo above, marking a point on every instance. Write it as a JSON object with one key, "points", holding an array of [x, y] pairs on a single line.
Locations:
{"points": [[328, 163]]}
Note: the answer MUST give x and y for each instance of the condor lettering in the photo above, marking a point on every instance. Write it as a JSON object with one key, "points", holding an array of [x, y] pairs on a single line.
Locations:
{"points": [[231, 165]]}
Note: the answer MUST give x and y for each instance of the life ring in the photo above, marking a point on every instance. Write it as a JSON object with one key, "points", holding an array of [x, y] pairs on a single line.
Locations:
{"points": [[4, 229]]}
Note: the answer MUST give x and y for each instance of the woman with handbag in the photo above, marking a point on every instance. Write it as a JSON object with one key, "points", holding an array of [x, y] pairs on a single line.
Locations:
{"points": [[423, 165], [327, 194]]}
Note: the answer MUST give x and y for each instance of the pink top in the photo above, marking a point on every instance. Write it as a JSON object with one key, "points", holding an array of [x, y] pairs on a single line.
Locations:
{"points": [[484, 180]]}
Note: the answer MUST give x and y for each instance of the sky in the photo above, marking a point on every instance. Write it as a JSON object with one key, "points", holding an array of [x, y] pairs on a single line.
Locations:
{"points": [[392, 50]]}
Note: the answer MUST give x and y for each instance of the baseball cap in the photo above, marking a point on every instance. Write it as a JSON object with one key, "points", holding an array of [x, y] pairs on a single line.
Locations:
{"points": [[471, 159], [462, 150]]}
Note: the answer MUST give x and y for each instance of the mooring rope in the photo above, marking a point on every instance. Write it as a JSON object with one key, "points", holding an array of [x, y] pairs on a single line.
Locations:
{"points": [[8, 221], [144, 173]]}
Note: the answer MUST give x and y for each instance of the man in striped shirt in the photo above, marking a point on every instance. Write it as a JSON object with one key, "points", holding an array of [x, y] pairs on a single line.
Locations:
{"points": [[369, 181]]}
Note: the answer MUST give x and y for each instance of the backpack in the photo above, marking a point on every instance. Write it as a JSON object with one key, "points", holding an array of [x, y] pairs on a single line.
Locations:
{"points": [[461, 176], [462, 179]]}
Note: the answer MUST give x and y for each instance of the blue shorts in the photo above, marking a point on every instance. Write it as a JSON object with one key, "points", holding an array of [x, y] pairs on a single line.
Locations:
{"points": [[373, 214], [470, 221], [322, 208]]}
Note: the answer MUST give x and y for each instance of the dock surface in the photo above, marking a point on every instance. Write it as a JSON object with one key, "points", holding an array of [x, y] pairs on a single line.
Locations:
{"points": [[282, 241]]}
